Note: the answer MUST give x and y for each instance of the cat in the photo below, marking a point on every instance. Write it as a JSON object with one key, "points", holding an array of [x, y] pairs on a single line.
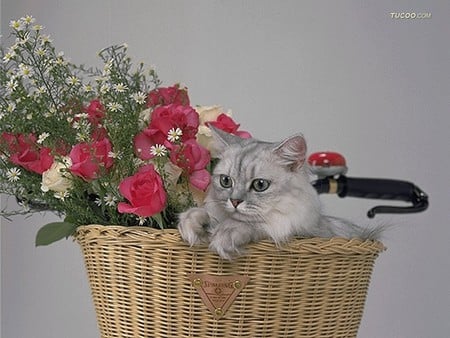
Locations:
{"points": [[260, 190]]}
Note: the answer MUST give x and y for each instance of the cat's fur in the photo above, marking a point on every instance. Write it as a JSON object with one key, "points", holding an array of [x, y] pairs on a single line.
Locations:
{"points": [[238, 214]]}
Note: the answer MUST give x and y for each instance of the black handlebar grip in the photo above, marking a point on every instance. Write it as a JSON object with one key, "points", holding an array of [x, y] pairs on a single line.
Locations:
{"points": [[375, 188]]}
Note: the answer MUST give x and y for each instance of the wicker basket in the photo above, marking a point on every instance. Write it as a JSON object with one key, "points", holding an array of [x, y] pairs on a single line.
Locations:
{"points": [[142, 286]]}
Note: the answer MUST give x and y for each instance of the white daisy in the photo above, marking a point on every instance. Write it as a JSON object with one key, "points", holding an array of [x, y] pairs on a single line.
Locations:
{"points": [[42, 137], [114, 106], [28, 19], [110, 200], [17, 25], [120, 87], [61, 195], [174, 134], [13, 174], [25, 70], [45, 39], [139, 97], [9, 56], [38, 27], [72, 80], [113, 154], [158, 150], [141, 220]]}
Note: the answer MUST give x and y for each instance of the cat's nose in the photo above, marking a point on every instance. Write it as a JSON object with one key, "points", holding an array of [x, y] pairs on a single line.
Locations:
{"points": [[235, 202]]}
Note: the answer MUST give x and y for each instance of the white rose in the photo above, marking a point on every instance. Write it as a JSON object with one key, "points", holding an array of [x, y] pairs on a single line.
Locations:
{"points": [[56, 178]]}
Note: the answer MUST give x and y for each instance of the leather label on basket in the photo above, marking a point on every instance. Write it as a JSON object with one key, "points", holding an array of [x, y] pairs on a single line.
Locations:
{"points": [[218, 292]]}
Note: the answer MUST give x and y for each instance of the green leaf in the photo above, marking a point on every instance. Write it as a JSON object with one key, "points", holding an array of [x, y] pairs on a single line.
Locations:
{"points": [[159, 220], [53, 232]]}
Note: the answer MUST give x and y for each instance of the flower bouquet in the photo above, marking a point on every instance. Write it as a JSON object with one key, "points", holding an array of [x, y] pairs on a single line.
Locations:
{"points": [[105, 146], [118, 156]]}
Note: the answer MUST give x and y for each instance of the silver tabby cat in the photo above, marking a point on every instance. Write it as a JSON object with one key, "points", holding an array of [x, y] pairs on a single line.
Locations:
{"points": [[260, 190]]}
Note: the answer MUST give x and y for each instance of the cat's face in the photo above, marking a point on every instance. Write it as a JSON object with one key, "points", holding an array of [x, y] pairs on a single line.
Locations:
{"points": [[252, 177]]}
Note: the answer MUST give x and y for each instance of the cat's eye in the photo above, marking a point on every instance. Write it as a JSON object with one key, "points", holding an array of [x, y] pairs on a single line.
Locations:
{"points": [[225, 181], [260, 184]]}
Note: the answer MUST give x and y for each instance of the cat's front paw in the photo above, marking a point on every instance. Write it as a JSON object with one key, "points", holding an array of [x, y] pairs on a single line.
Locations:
{"points": [[193, 225], [228, 243]]}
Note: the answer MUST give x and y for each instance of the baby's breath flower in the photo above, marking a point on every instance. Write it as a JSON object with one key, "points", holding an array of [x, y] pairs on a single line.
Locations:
{"points": [[158, 150], [174, 134], [42, 137], [120, 87], [114, 106], [139, 97], [13, 174]]}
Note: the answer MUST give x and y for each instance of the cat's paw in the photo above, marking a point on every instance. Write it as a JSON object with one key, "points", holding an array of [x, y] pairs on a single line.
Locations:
{"points": [[227, 243], [193, 225]]}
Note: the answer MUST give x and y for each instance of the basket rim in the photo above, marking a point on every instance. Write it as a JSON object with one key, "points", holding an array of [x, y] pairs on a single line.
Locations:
{"points": [[141, 234]]}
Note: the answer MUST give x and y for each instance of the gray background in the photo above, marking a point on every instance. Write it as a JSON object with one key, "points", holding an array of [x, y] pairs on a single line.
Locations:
{"points": [[346, 74]]}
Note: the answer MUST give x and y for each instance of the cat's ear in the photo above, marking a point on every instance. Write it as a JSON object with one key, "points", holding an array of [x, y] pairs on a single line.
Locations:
{"points": [[292, 152], [223, 140]]}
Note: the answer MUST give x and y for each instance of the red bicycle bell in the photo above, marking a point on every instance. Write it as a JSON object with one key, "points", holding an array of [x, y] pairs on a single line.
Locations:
{"points": [[327, 163]]}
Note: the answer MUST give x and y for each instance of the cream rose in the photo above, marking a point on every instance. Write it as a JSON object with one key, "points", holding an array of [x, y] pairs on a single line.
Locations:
{"points": [[55, 178], [207, 114]]}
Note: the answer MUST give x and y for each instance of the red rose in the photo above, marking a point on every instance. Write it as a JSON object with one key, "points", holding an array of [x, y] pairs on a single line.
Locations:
{"points": [[144, 191], [89, 158], [193, 159], [169, 95], [25, 152], [226, 123], [164, 119]]}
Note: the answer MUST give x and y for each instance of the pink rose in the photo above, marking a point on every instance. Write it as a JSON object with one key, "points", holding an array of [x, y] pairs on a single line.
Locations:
{"points": [[95, 111], [144, 191], [24, 152], [89, 158], [226, 123], [175, 116], [169, 95], [193, 159], [164, 119]]}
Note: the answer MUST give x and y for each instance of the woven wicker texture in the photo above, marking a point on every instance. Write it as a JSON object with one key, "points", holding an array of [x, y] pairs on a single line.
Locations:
{"points": [[307, 288]]}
